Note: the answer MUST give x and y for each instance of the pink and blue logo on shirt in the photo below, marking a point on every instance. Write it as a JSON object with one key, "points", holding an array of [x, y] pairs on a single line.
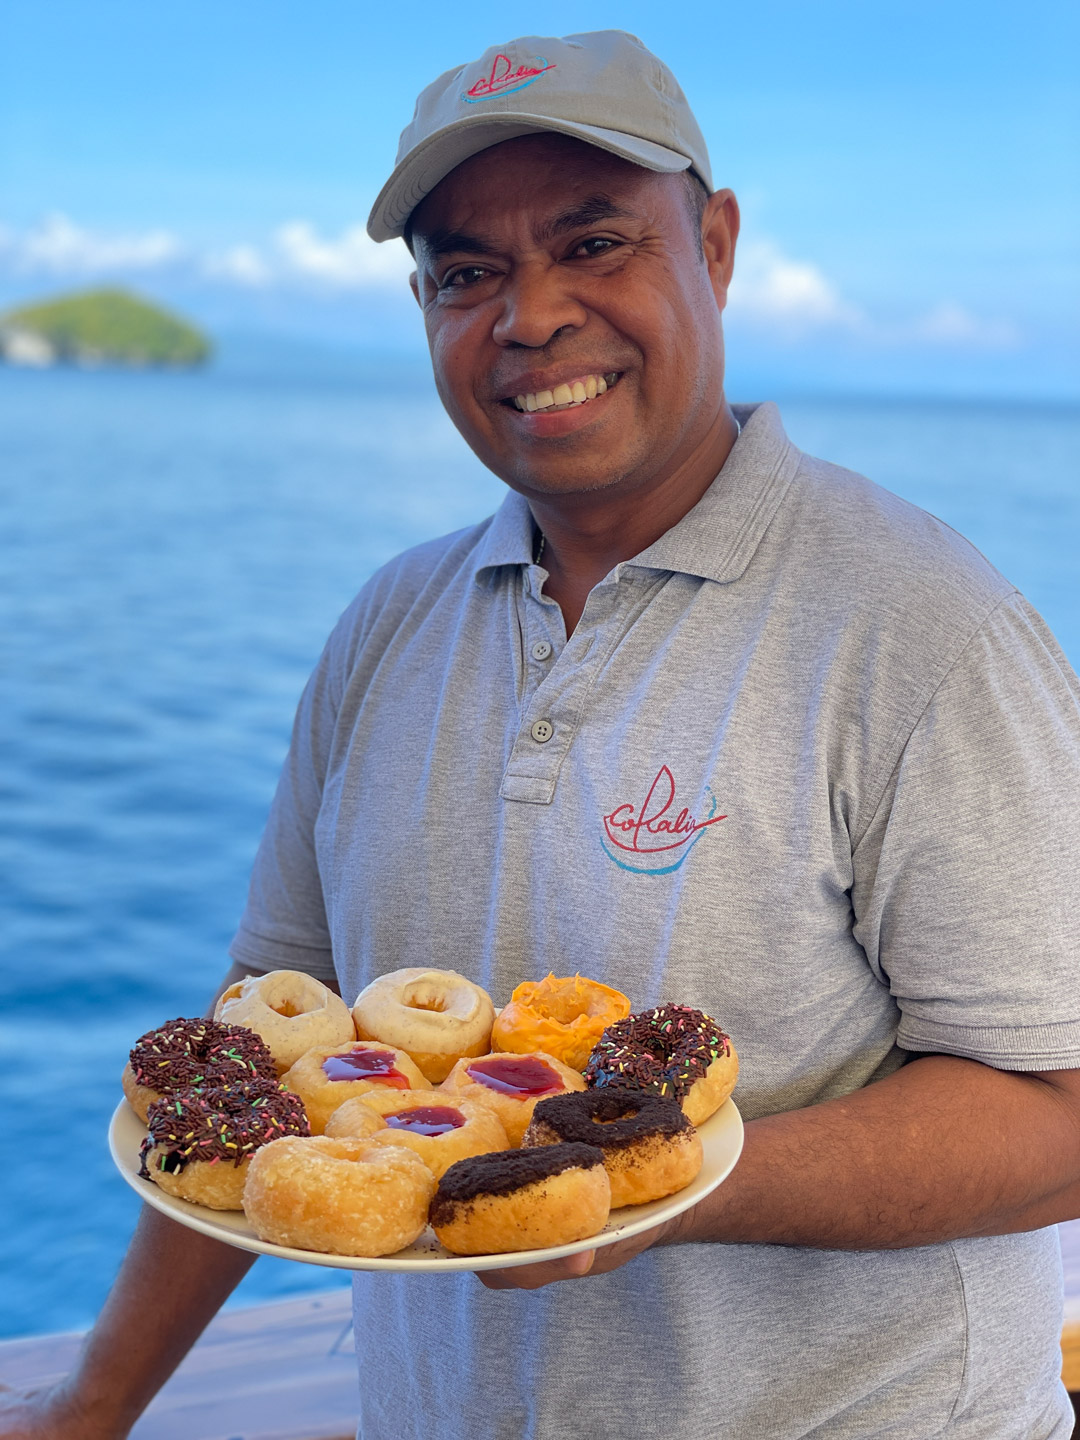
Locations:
{"points": [[654, 838]]}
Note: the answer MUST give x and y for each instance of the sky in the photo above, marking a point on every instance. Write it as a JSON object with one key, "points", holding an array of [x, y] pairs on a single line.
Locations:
{"points": [[909, 174]]}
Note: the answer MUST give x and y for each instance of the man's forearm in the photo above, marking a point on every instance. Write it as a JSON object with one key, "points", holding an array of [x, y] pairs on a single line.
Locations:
{"points": [[944, 1148], [171, 1284]]}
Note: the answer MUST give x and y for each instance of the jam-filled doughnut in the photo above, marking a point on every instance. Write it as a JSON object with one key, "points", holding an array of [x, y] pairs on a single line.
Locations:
{"points": [[440, 1131], [672, 1050], [201, 1141], [511, 1085], [184, 1053], [435, 1016], [562, 1016], [328, 1075], [650, 1148], [292, 1012], [522, 1200], [341, 1196]]}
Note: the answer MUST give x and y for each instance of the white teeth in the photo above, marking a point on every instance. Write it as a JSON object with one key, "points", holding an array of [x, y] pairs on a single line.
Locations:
{"points": [[563, 395]]}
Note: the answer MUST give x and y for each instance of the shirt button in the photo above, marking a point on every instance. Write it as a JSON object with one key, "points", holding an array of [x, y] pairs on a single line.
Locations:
{"points": [[541, 650], [542, 731]]}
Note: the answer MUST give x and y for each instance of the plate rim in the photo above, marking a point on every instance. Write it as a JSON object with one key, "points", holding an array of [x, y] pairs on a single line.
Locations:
{"points": [[726, 1127]]}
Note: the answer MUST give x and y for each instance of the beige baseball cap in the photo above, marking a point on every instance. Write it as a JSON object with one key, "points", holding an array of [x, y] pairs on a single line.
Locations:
{"points": [[603, 87]]}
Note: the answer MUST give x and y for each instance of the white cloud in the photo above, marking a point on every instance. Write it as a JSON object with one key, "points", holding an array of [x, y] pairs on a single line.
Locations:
{"points": [[351, 262], [792, 294], [57, 246], [950, 324], [242, 264]]}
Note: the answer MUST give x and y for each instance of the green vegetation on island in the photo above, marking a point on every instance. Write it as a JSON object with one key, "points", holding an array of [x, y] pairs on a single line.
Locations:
{"points": [[98, 327]]}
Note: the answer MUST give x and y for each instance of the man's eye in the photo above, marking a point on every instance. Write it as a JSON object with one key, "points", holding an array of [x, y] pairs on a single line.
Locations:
{"points": [[595, 245], [466, 275]]}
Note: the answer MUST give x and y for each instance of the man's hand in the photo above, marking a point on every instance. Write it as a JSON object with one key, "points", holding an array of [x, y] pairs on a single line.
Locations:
{"points": [[48, 1414], [585, 1262]]}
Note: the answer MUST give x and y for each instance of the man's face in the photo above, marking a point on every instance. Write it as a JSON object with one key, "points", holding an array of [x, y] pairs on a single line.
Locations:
{"points": [[544, 262]]}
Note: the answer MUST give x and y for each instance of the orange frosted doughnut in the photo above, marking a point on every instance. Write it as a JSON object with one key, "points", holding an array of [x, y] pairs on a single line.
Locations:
{"points": [[290, 1010], [562, 1016], [511, 1085], [324, 1077], [440, 1130], [342, 1197]]}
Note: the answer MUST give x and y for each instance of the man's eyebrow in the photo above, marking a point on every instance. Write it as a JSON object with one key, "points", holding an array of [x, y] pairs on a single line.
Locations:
{"points": [[591, 211], [455, 242]]}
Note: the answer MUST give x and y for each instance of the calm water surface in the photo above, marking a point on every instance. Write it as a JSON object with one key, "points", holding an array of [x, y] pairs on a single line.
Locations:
{"points": [[175, 550]]}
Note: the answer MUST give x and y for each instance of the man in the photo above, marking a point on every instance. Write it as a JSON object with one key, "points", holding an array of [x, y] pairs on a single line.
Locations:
{"points": [[876, 744]]}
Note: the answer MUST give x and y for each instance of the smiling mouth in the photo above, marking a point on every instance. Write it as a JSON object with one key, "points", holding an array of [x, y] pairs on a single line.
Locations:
{"points": [[565, 397]]}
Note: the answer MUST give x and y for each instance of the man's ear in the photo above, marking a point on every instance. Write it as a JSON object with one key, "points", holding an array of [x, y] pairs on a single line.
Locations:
{"points": [[719, 232]]}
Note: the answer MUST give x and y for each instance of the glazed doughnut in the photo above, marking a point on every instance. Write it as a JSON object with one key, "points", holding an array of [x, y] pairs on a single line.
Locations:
{"points": [[435, 1016], [328, 1075], [290, 1010], [564, 1017], [182, 1053], [341, 1196], [650, 1148], [201, 1141], [511, 1085], [522, 1200], [672, 1050], [441, 1133]]}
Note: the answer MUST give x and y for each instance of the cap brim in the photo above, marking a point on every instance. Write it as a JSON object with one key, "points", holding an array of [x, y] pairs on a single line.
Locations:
{"points": [[432, 161]]}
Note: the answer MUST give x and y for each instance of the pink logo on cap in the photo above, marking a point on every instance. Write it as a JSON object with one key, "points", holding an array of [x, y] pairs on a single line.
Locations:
{"points": [[503, 79]]}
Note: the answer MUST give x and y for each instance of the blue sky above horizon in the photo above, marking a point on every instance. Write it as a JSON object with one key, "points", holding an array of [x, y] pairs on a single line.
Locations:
{"points": [[909, 173]]}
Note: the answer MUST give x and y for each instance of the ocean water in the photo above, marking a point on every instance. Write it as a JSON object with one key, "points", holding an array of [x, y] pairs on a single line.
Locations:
{"points": [[174, 551]]}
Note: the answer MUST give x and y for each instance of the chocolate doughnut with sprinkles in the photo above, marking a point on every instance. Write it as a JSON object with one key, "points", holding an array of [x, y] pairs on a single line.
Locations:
{"points": [[201, 1141], [672, 1050], [182, 1054]]}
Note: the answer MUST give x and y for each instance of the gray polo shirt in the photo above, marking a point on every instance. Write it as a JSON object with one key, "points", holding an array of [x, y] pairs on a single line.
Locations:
{"points": [[809, 763]]}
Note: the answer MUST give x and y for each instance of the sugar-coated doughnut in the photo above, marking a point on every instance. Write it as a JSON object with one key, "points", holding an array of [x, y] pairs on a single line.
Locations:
{"points": [[511, 1085], [328, 1075], [340, 1196], [185, 1053], [650, 1148], [522, 1200], [435, 1016], [201, 1141], [293, 1012], [440, 1130], [672, 1050], [563, 1016]]}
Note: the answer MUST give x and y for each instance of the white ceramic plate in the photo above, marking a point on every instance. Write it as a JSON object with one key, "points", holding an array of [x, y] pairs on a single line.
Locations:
{"points": [[722, 1139]]}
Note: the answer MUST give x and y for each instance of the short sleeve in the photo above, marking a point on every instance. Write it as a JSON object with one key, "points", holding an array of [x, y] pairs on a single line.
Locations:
{"points": [[966, 887], [284, 924]]}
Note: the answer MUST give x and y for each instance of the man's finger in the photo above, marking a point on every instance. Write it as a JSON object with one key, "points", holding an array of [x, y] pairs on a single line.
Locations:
{"points": [[532, 1277]]}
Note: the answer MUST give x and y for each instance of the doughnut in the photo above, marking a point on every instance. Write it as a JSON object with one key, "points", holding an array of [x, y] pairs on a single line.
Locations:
{"points": [[182, 1053], [328, 1075], [672, 1050], [511, 1085], [522, 1200], [440, 1133], [435, 1016], [341, 1196], [650, 1148], [201, 1141], [290, 1010], [563, 1017]]}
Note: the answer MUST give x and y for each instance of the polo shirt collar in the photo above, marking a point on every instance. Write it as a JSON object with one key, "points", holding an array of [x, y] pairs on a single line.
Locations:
{"points": [[716, 540]]}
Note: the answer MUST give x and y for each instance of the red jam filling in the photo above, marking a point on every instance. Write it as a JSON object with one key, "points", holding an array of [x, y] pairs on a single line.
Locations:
{"points": [[365, 1065], [520, 1075], [427, 1120]]}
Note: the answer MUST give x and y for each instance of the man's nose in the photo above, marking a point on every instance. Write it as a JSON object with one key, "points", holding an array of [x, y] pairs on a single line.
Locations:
{"points": [[537, 302]]}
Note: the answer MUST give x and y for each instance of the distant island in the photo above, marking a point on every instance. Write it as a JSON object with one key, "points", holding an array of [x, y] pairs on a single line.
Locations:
{"points": [[99, 327]]}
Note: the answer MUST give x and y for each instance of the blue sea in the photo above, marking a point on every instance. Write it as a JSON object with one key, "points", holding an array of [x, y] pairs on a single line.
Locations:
{"points": [[175, 549]]}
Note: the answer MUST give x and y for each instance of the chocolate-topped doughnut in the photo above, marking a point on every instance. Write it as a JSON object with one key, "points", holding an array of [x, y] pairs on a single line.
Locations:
{"points": [[201, 1140], [522, 1200], [182, 1054], [672, 1050], [650, 1148]]}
